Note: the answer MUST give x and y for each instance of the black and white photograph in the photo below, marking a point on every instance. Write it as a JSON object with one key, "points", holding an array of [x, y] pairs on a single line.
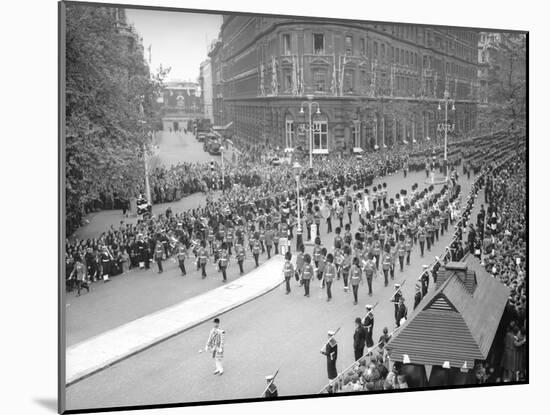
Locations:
{"points": [[263, 207]]}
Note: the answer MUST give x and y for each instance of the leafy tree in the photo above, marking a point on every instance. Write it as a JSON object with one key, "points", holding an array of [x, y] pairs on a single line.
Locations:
{"points": [[110, 102]]}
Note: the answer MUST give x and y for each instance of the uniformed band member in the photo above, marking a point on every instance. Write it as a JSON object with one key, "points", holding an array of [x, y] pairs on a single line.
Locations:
{"points": [[224, 261], [288, 271], [202, 257], [240, 254], [370, 269], [368, 325], [215, 344], [356, 277], [329, 274], [271, 391], [358, 339], [331, 352], [181, 254], [395, 300], [159, 250], [307, 274]]}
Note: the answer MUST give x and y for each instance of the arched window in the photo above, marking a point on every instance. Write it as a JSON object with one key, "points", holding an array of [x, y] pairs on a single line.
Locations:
{"points": [[320, 135]]}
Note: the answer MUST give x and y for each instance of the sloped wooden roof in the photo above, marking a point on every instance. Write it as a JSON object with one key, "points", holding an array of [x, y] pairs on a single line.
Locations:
{"points": [[455, 323]]}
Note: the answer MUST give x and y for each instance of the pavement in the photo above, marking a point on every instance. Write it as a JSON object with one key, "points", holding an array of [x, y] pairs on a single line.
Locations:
{"points": [[276, 331], [105, 349]]}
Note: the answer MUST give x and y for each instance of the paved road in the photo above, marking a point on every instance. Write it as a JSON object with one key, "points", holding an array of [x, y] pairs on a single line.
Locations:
{"points": [[274, 331], [173, 148]]}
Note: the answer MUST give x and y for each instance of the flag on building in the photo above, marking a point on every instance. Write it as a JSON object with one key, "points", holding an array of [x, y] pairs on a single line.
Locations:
{"points": [[334, 84], [274, 83]]}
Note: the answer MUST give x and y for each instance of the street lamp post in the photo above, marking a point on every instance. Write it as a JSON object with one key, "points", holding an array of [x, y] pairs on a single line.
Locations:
{"points": [[310, 127], [223, 173], [297, 168], [446, 101]]}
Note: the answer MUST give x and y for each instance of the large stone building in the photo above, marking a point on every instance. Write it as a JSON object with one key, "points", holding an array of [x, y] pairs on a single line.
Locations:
{"points": [[180, 103], [375, 84], [205, 81]]}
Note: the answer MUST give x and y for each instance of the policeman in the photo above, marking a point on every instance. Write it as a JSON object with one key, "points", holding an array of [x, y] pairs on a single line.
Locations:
{"points": [[288, 271], [395, 300], [329, 274], [271, 391], [224, 261], [424, 280], [417, 296], [368, 325], [181, 254]]}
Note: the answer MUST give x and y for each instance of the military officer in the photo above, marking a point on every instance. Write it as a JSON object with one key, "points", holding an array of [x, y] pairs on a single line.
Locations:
{"points": [[288, 271], [240, 253], [181, 254], [329, 275], [307, 274]]}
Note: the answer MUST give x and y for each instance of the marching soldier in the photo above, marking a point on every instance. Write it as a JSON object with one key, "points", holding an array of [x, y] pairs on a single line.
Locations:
{"points": [[395, 300], [329, 274], [356, 277], [370, 269], [421, 239], [202, 257], [401, 250], [181, 254], [408, 247], [288, 271], [159, 251], [331, 352], [240, 253], [271, 391], [269, 237], [224, 261], [307, 274], [256, 248], [368, 325], [346, 266], [299, 265], [386, 263]]}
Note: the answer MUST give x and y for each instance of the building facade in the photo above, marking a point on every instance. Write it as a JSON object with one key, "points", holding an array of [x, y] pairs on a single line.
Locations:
{"points": [[205, 81], [180, 102], [375, 85]]}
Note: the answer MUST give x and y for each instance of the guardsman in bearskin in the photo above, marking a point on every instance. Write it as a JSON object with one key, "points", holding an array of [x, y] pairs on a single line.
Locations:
{"points": [[417, 295], [329, 275], [401, 251], [331, 352], [262, 239], [271, 391], [224, 261], [338, 259], [240, 253], [256, 248], [288, 271], [349, 208], [202, 255], [424, 280], [421, 239], [159, 251], [346, 266], [216, 249], [307, 274], [181, 254], [269, 238], [338, 237], [393, 253], [386, 264], [370, 269], [356, 277], [396, 298], [408, 247], [368, 325]]}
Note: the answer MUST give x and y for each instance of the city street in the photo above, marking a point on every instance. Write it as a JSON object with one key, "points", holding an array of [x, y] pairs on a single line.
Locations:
{"points": [[253, 329]]}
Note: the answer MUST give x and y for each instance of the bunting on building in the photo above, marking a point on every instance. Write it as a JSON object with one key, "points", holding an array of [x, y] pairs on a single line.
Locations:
{"points": [[262, 80], [334, 83], [342, 73]]}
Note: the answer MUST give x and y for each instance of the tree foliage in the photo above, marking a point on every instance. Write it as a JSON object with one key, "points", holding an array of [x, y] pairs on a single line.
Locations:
{"points": [[110, 101], [507, 85]]}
